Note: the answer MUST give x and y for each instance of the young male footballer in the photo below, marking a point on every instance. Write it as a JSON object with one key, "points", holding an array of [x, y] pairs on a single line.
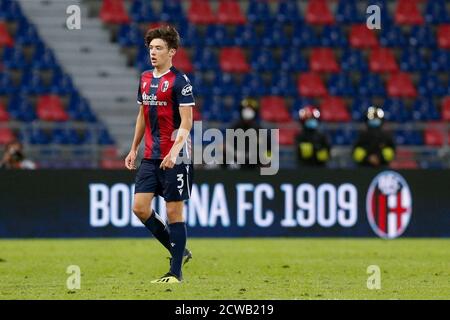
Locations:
{"points": [[165, 117]]}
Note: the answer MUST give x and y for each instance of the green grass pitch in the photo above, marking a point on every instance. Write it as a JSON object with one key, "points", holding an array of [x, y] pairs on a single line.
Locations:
{"points": [[227, 269]]}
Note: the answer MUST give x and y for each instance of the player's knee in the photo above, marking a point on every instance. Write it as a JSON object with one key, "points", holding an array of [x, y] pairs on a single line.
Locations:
{"points": [[141, 212], [174, 215]]}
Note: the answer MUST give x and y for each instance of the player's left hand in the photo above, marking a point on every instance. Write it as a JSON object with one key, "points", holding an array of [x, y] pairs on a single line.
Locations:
{"points": [[168, 162]]}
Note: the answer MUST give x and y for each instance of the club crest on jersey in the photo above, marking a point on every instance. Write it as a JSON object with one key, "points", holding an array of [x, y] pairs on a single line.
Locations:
{"points": [[389, 205], [165, 86]]}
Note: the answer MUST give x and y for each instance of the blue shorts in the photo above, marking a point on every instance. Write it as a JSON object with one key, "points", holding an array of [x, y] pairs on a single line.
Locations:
{"points": [[172, 184]]}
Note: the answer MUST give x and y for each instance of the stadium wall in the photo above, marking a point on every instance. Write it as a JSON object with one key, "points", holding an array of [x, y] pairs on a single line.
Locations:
{"points": [[300, 203]]}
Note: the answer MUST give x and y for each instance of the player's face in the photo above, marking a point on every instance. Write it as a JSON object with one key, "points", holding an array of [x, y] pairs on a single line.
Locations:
{"points": [[160, 55]]}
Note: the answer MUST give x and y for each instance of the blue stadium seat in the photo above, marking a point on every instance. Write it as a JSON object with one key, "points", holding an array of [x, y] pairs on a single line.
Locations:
{"points": [[440, 60], [341, 85], [293, 61], [274, 36], [61, 83], [253, 85], [408, 137], [332, 36], [288, 12], [190, 36], [205, 59], [359, 108], [258, 11], [283, 84], [79, 110], [13, 58], [6, 84], [430, 85], [392, 37], [142, 11], [342, 137], [347, 12], [129, 35], [217, 35], [27, 34], [371, 85], [436, 13], [299, 103], [172, 11], [21, 109], [35, 136], [104, 138], [32, 83], [353, 60], [245, 36], [422, 37], [43, 58], [425, 110], [304, 36], [396, 111], [263, 60], [413, 60], [10, 11], [224, 84]]}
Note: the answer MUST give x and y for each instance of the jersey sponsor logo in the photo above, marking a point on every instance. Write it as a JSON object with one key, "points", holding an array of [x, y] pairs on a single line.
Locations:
{"points": [[187, 90], [152, 100], [165, 86], [389, 205], [154, 86]]}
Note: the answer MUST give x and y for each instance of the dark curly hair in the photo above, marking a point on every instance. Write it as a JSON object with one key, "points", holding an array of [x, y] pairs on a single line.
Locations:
{"points": [[167, 33]]}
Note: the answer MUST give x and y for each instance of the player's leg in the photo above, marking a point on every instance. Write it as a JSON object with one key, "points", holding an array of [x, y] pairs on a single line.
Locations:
{"points": [[153, 222], [146, 187], [178, 235]]}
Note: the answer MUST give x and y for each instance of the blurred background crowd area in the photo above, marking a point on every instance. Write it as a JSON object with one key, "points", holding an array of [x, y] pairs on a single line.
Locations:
{"points": [[69, 96]]}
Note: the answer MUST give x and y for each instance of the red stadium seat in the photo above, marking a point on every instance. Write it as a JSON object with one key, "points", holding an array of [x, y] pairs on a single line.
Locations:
{"points": [[4, 115], [333, 109], [311, 85], [318, 13], [443, 36], [288, 133], [112, 164], [403, 164], [196, 114], [110, 152], [407, 12], [323, 60], [6, 135], [5, 38], [273, 109], [434, 136], [50, 108], [400, 85], [361, 37], [233, 60], [182, 61], [446, 109], [113, 11], [229, 12], [382, 60], [200, 12]]}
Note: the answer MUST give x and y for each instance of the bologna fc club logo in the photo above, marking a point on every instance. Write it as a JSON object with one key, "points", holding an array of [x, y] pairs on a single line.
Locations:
{"points": [[389, 205], [165, 86]]}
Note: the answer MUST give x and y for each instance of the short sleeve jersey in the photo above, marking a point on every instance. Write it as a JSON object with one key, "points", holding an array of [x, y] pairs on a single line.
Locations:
{"points": [[161, 97]]}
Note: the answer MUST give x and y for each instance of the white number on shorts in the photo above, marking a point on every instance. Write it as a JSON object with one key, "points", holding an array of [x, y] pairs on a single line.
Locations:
{"points": [[180, 178]]}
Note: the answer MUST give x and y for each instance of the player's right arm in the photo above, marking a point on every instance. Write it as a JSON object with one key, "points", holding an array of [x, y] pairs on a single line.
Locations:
{"points": [[138, 134]]}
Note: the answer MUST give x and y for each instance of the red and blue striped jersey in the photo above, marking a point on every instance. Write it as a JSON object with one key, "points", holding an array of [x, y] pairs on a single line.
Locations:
{"points": [[161, 97]]}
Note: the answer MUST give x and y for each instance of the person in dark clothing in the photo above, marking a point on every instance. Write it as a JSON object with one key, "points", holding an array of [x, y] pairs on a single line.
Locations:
{"points": [[374, 147], [313, 148]]}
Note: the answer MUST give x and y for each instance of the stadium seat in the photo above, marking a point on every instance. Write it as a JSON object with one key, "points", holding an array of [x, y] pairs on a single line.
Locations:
{"points": [[392, 37], [396, 111], [263, 60], [182, 61], [129, 35], [293, 61], [425, 110], [288, 12], [217, 36], [114, 12], [273, 109], [50, 108], [142, 11], [332, 36], [288, 133], [245, 36], [371, 85], [200, 12], [311, 85], [318, 13], [430, 85], [274, 36], [282, 84], [4, 115], [333, 109], [323, 60], [412, 59], [435, 12], [400, 85], [446, 109], [6, 135], [172, 11], [443, 36], [304, 36], [341, 85], [253, 85], [5, 38], [440, 60], [229, 12], [233, 60], [361, 37], [347, 12], [20, 109], [353, 60], [382, 60], [205, 59], [422, 36], [434, 135], [407, 13], [258, 11]]}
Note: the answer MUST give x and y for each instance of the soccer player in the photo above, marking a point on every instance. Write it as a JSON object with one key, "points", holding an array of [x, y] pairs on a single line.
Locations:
{"points": [[166, 100]]}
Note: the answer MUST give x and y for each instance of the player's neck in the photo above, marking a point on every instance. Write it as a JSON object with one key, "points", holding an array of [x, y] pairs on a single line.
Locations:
{"points": [[159, 71]]}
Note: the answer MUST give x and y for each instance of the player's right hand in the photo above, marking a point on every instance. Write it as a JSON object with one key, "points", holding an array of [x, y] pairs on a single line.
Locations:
{"points": [[130, 160]]}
